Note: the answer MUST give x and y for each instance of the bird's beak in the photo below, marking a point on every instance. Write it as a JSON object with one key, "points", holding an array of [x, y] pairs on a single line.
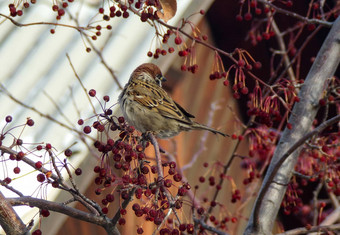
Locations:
{"points": [[163, 79]]}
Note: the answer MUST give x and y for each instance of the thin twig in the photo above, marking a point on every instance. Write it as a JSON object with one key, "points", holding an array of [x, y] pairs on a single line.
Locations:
{"points": [[297, 16], [16, 23], [210, 228], [80, 82], [3, 88]]}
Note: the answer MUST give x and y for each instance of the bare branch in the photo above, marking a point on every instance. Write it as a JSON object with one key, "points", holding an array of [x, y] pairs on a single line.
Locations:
{"points": [[271, 194], [9, 220], [16, 23], [297, 16], [209, 228], [297, 231], [66, 210]]}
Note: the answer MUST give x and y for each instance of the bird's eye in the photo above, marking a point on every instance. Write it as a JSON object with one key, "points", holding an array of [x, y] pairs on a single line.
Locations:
{"points": [[159, 79]]}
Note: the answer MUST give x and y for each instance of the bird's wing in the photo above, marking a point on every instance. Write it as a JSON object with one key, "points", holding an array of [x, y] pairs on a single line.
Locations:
{"points": [[154, 97]]}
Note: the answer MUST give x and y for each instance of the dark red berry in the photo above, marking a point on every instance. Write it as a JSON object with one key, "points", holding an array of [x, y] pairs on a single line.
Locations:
{"points": [[92, 92]]}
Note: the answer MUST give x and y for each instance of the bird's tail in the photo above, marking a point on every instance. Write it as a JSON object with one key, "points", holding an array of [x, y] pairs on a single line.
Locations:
{"points": [[203, 127]]}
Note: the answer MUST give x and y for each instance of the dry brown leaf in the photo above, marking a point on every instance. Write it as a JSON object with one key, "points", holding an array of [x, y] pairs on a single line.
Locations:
{"points": [[169, 9]]}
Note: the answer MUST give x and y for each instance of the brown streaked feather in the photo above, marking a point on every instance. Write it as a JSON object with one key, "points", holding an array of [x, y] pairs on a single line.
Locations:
{"points": [[148, 107], [189, 115], [155, 97]]}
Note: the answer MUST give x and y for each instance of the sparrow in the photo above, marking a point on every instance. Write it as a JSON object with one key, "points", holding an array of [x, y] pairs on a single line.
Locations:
{"points": [[148, 107]]}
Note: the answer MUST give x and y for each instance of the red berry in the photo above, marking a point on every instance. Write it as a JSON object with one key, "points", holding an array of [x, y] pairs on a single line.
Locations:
{"points": [[125, 14], [48, 146], [44, 212], [41, 177], [289, 126], [253, 3], [105, 210], [178, 40], [68, 152], [183, 67], [121, 221], [248, 16], [38, 164], [311, 27], [177, 177], [241, 63], [16, 170], [78, 171], [61, 12], [239, 18], [7, 180], [30, 122], [87, 129], [92, 92], [257, 65], [37, 232], [8, 119], [289, 3]]}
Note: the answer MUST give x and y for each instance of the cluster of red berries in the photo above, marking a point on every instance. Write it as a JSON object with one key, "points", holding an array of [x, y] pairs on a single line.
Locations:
{"points": [[16, 12], [148, 13], [44, 176], [250, 166], [124, 166], [292, 202], [60, 9], [160, 51], [218, 75]]}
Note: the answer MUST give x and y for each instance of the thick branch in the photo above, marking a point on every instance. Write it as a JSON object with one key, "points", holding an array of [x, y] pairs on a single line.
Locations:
{"points": [[9, 220], [66, 210], [58, 207], [302, 116]]}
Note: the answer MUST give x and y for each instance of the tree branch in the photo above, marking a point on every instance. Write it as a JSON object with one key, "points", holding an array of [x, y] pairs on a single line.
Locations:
{"points": [[9, 220], [288, 149], [298, 231], [58, 207]]}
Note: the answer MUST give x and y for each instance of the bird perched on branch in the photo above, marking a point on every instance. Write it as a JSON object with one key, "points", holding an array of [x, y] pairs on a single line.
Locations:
{"points": [[149, 108]]}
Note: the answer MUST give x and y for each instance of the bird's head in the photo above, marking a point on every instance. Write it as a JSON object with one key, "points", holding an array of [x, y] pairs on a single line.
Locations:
{"points": [[149, 73]]}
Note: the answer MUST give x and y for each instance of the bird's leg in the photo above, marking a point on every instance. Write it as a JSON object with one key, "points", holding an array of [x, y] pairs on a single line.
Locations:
{"points": [[146, 138]]}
